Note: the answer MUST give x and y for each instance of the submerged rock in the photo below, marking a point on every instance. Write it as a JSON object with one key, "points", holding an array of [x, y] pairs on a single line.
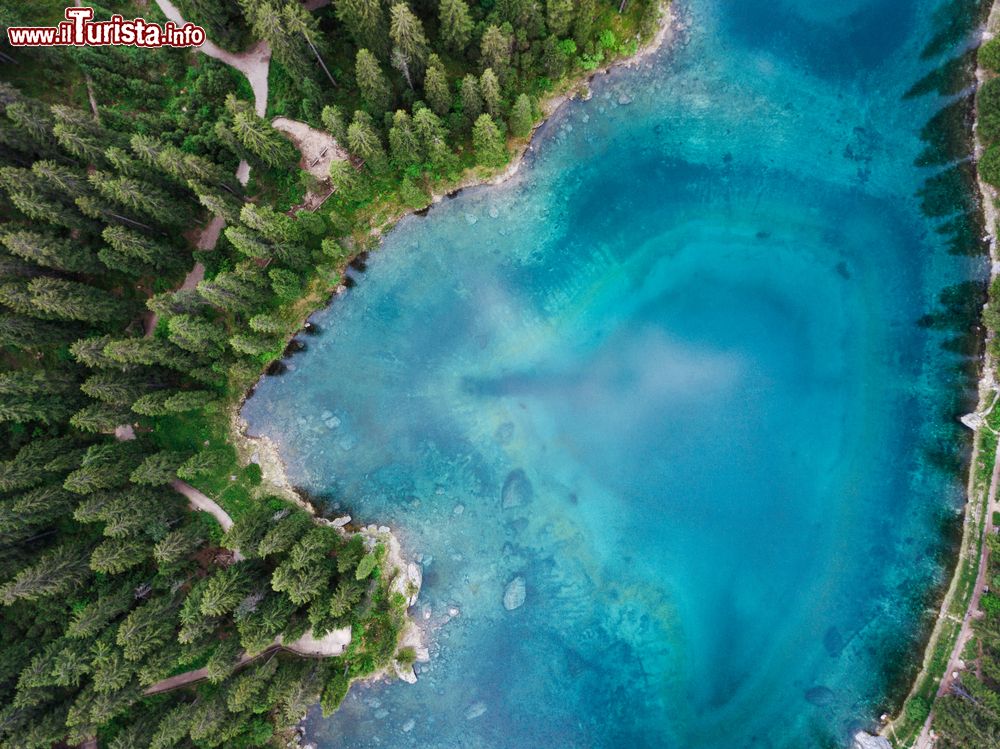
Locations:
{"points": [[864, 740], [517, 490], [819, 695], [475, 711], [513, 597]]}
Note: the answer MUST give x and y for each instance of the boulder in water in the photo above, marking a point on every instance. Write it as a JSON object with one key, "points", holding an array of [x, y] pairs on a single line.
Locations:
{"points": [[819, 695], [513, 597], [517, 490]]}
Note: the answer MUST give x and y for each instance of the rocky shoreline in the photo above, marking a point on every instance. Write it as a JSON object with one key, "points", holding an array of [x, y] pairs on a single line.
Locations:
{"points": [[987, 391]]}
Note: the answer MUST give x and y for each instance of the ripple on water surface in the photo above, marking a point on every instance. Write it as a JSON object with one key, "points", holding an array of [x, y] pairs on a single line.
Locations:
{"points": [[671, 378]]}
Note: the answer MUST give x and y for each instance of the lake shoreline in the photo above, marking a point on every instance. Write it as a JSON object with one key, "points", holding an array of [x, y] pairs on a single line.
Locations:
{"points": [[975, 523], [263, 451]]}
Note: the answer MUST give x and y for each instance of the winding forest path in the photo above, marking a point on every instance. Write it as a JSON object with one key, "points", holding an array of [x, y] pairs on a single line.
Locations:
{"points": [[203, 502], [926, 739], [253, 63], [333, 643]]}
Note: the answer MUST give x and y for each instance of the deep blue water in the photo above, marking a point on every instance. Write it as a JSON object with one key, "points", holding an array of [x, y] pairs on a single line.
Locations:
{"points": [[691, 338]]}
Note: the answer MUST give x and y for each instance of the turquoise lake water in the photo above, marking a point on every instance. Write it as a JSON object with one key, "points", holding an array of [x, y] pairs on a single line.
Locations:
{"points": [[710, 339]]}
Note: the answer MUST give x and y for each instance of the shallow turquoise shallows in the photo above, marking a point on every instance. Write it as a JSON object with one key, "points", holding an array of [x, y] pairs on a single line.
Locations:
{"points": [[690, 376]]}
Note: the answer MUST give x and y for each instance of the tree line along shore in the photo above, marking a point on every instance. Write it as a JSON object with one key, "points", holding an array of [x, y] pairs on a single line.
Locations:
{"points": [[118, 379], [955, 703]]}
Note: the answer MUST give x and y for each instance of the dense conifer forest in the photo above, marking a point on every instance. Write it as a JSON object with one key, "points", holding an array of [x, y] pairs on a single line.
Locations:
{"points": [[118, 385]]}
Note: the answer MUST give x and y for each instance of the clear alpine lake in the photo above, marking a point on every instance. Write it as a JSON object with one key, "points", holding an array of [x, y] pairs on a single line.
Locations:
{"points": [[693, 375]]}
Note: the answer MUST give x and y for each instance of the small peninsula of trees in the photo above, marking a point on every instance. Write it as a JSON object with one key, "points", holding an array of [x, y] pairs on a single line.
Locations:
{"points": [[118, 380]]}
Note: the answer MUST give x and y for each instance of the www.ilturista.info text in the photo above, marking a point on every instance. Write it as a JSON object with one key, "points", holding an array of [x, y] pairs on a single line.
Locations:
{"points": [[80, 30]]}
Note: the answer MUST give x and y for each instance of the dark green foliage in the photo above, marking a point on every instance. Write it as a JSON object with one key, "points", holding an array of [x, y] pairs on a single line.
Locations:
{"points": [[989, 55], [371, 80], [490, 148], [522, 117], [988, 101], [989, 165]]}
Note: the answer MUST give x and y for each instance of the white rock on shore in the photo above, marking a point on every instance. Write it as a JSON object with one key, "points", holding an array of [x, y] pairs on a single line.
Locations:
{"points": [[864, 740]]}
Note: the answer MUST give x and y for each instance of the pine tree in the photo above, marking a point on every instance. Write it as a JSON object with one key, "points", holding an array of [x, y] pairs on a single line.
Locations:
{"points": [[267, 323], [115, 555], [489, 87], [514, 12], [197, 335], [257, 135], [53, 573], [300, 23], [522, 117], [71, 300], [583, 23], [472, 100], [49, 396], [98, 613], [121, 389], [365, 22], [241, 290], [409, 42], [145, 629], [375, 91], [159, 468], [274, 225], [111, 672], [431, 132], [364, 143], [30, 195], [62, 178], [285, 284], [333, 121], [51, 251], [30, 465], [559, 16], [223, 21], [281, 536], [403, 142], [203, 463], [436, 86], [495, 50], [411, 194], [490, 148], [249, 242], [178, 545], [303, 584], [456, 24], [101, 418], [33, 119], [164, 402], [221, 204], [141, 248], [268, 23], [140, 196], [105, 466], [225, 589], [245, 691], [27, 333], [90, 352], [344, 179], [222, 664]]}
